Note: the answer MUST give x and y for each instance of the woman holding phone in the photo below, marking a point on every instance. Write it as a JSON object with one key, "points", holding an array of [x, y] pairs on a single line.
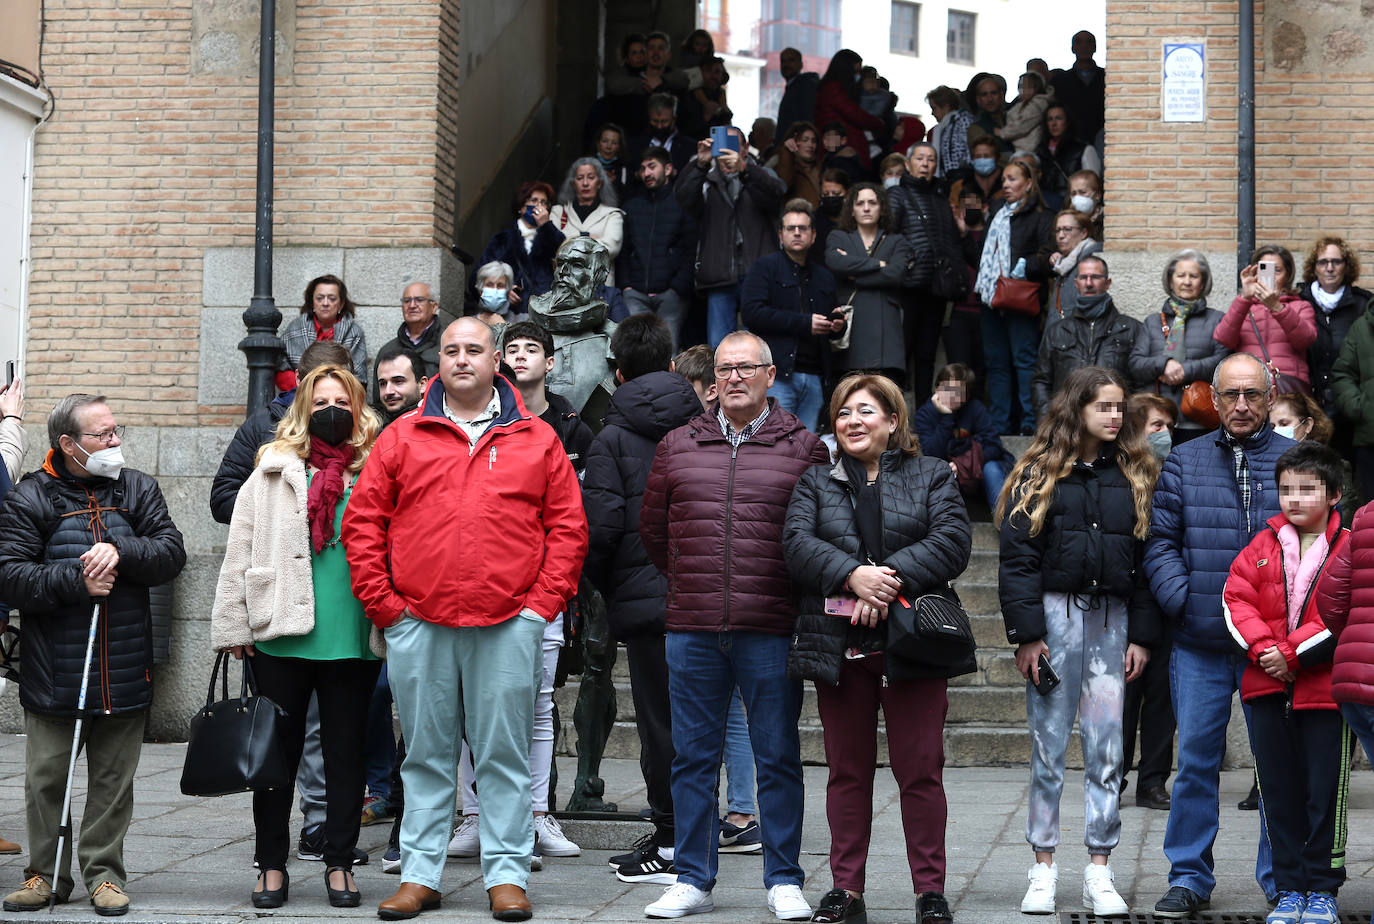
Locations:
{"points": [[1073, 517], [1270, 321], [883, 522]]}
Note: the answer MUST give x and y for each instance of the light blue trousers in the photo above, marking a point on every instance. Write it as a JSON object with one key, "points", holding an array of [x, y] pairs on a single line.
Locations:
{"points": [[478, 683]]}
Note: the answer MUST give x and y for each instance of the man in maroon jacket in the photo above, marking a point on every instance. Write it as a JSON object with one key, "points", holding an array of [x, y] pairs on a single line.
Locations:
{"points": [[712, 522]]}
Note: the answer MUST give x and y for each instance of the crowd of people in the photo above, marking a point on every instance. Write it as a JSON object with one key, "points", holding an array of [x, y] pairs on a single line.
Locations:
{"points": [[753, 512]]}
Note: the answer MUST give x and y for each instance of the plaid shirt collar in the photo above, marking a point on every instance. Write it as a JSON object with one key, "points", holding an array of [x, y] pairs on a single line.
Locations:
{"points": [[739, 436]]}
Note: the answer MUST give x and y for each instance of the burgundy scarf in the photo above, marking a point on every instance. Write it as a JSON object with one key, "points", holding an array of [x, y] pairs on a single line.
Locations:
{"points": [[325, 488]]}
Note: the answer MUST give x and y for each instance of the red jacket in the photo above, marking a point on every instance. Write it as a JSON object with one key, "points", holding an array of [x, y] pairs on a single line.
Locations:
{"points": [[1345, 599], [465, 538], [712, 522], [1287, 335], [1267, 578], [834, 105]]}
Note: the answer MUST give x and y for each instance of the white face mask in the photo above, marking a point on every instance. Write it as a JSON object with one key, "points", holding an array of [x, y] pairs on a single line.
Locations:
{"points": [[891, 181], [105, 463], [1290, 431], [1082, 204]]}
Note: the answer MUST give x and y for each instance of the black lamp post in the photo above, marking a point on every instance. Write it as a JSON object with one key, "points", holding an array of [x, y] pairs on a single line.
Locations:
{"points": [[262, 346]]}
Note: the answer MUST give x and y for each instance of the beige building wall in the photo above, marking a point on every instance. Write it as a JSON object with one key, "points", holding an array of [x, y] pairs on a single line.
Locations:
{"points": [[1173, 185]]}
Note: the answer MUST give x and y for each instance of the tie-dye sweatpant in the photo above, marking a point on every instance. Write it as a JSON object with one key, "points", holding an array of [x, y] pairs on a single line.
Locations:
{"points": [[1087, 642]]}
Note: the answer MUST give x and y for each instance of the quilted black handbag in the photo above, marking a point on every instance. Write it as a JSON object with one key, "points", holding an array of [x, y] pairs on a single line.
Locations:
{"points": [[235, 744], [931, 630]]}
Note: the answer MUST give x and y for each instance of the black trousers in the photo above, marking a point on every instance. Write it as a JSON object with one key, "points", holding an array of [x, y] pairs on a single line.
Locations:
{"points": [[1149, 706], [653, 719], [1303, 758], [344, 689], [1364, 472], [925, 316], [964, 344]]}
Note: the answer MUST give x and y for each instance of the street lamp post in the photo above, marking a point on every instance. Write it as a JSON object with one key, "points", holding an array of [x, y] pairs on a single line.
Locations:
{"points": [[262, 346]]}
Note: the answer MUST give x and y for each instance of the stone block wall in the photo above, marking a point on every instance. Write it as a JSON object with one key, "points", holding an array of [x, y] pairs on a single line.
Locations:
{"points": [[1171, 185]]}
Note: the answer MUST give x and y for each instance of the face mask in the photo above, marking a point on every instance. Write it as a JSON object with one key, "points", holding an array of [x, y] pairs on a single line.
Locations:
{"points": [[105, 463], [985, 166], [604, 161], [1160, 444], [831, 205], [973, 216], [1290, 431], [1082, 204], [891, 181], [495, 300], [332, 424]]}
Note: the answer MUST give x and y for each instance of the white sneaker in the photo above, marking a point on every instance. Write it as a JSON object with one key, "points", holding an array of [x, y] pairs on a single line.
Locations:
{"points": [[465, 842], [1099, 895], [679, 900], [788, 903], [551, 839], [1040, 895]]}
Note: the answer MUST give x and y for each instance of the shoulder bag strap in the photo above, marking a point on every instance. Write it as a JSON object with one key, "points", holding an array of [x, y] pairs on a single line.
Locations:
{"points": [[1273, 369]]}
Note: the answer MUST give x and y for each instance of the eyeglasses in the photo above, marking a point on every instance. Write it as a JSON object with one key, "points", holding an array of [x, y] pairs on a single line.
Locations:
{"points": [[416, 300], [108, 436], [1333, 261], [1232, 395], [745, 370]]}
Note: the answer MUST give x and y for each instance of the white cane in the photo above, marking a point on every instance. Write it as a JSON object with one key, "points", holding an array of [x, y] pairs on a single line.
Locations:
{"points": [[64, 830]]}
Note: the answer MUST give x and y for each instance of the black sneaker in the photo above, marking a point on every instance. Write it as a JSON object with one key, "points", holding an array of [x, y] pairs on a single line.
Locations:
{"points": [[1180, 902], [311, 846], [653, 869], [932, 908], [640, 850]]}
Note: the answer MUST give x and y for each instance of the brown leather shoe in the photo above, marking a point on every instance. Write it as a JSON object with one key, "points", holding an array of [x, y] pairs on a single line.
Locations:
{"points": [[509, 903], [410, 899]]}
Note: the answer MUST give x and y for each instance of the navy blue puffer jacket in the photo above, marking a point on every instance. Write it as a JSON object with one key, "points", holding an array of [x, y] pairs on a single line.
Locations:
{"points": [[1198, 526], [643, 411], [660, 244]]}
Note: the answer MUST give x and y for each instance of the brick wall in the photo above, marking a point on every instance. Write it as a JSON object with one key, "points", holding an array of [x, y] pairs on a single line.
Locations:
{"points": [[147, 163], [1173, 185]]}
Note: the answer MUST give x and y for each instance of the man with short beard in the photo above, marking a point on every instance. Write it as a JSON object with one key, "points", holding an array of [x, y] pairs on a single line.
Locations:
{"points": [[400, 380], [660, 241]]}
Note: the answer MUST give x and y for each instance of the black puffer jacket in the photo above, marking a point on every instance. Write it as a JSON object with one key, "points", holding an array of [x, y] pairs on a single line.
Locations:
{"points": [[1072, 342], [1087, 546], [926, 536], [241, 456], [47, 522], [572, 430], [922, 214], [642, 412], [1331, 330]]}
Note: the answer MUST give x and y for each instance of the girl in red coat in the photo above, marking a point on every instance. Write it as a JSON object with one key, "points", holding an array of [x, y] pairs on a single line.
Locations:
{"points": [[1301, 744]]}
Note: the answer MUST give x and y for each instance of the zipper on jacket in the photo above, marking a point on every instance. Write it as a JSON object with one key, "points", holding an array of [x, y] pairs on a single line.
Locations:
{"points": [[729, 530]]}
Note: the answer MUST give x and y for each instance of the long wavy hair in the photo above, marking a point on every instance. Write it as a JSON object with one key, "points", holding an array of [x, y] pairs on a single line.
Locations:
{"points": [[567, 193], [1029, 490], [293, 433], [847, 220]]}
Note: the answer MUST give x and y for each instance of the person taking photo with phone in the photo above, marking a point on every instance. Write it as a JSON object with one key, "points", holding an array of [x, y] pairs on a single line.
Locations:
{"points": [[1073, 518], [1270, 321]]}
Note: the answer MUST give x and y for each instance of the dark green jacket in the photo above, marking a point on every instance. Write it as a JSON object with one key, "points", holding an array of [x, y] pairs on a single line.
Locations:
{"points": [[1352, 378]]}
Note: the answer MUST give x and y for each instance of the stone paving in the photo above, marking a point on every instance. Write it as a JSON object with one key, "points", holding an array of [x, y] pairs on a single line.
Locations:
{"points": [[190, 859]]}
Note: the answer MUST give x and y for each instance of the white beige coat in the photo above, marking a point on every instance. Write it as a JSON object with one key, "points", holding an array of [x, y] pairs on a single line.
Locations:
{"points": [[265, 589]]}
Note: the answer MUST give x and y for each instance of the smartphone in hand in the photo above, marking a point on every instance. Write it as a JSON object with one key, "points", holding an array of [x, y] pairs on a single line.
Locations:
{"points": [[1048, 678], [723, 139], [1268, 272]]}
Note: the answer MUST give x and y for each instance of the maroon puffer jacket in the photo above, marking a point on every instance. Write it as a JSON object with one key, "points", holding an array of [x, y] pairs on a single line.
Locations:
{"points": [[1345, 599], [712, 522]]}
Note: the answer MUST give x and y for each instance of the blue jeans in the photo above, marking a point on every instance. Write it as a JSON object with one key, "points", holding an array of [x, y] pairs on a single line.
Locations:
{"points": [[739, 760], [1202, 683], [1360, 718], [703, 669], [800, 393], [722, 313], [381, 740], [994, 476], [1010, 345], [669, 306]]}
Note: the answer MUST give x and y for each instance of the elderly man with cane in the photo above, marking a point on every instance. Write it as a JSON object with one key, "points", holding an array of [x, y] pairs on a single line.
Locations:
{"points": [[81, 542]]}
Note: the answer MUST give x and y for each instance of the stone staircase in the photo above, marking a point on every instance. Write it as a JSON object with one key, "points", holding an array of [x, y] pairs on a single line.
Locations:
{"points": [[986, 723]]}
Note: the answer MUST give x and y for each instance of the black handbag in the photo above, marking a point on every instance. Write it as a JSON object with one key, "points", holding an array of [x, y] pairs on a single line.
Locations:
{"points": [[932, 630], [235, 745]]}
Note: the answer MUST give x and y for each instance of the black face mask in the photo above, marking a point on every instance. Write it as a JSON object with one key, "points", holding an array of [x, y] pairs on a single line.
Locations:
{"points": [[973, 217], [831, 205], [332, 424]]}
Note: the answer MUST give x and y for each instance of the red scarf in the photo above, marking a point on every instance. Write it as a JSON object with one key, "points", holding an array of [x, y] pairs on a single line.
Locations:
{"points": [[323, 333], [325, 488]]}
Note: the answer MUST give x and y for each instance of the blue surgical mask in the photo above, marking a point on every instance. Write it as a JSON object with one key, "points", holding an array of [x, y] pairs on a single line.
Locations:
{"points": [[891, 181], [1084, 204], [495, 300], [1161, 443], [1290, 431], [985, 166]]}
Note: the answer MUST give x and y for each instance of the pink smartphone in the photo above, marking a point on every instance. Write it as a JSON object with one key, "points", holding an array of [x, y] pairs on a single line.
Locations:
{"points": [[841, 606], [1268, 272]]}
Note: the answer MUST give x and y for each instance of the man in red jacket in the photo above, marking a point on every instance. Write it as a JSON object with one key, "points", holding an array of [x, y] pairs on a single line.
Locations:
{"points": [[712, 522], [466, 479]]}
